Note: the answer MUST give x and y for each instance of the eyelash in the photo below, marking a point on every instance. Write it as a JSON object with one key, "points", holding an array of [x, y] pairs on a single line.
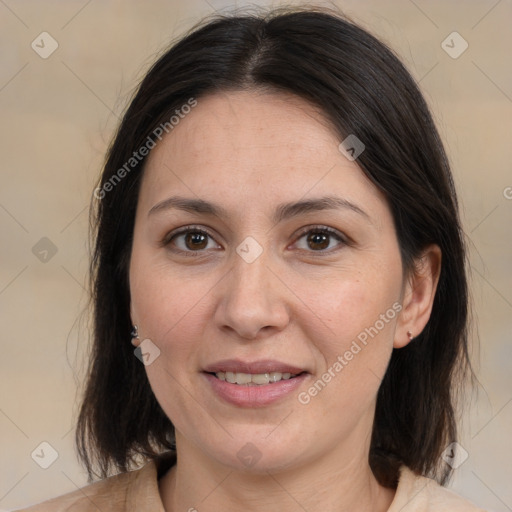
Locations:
{"points": [[310, 229]]}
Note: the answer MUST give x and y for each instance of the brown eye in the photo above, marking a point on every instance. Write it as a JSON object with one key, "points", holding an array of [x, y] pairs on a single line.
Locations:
{"points": [[196, 240], [320, 239], [190, 240]]}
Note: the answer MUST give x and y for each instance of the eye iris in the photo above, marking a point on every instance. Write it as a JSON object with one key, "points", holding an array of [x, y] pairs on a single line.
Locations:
{"points": [[196, 240], [318, 240]]}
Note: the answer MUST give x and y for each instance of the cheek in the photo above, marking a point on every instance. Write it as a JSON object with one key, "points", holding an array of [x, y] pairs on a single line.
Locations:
{"points": [[345, 304], [165, 301], [171, 311], [352, 325], [361, 306]]}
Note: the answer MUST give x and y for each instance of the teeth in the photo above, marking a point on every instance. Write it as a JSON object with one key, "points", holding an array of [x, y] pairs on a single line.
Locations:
{"points": [[242, 378], [259, 378], [250, 379]]}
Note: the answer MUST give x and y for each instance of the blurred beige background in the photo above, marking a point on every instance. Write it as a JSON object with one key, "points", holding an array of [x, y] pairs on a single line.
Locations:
{"points": [[58, 114]]}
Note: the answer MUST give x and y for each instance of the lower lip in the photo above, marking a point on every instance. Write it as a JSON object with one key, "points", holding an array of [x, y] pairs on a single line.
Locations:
{"points": [[254, 396]]}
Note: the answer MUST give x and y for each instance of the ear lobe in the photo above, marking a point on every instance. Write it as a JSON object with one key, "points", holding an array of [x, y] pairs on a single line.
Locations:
{"points": [[419, 293]]}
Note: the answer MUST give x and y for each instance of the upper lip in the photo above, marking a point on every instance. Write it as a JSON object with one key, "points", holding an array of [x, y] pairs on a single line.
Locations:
{"points": [[254, 367]]}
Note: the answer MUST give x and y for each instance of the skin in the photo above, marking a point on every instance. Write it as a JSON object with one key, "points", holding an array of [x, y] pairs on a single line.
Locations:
{"points": [[299, 302]]}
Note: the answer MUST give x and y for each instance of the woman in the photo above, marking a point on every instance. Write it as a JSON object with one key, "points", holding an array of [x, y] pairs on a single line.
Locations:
{"points": [[277, 233]]}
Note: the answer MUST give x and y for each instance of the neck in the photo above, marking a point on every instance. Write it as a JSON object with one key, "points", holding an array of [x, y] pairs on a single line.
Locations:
{"points": [[331, 482]]}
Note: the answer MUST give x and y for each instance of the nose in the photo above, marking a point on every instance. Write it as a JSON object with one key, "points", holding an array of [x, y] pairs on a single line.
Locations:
{"points": [[252, 300]]}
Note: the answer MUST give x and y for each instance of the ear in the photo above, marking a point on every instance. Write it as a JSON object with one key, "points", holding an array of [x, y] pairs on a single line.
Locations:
{"points": [[418, 295], [133, 316]]}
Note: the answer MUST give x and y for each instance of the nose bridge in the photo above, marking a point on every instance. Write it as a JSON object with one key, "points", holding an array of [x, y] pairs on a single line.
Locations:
{"points": [[252, 298], [250, 280]]}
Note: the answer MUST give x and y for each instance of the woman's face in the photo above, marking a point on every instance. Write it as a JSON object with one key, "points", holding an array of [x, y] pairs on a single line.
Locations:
{"points": [[276, 256]]}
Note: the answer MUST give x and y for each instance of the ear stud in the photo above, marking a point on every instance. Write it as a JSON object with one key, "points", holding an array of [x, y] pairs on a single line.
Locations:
{"points": [[135, 335]]}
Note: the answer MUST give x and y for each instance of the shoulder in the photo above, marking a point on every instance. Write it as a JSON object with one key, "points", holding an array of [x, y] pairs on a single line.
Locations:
{"points": [[417, 493], [134, 490], [112, 490]]}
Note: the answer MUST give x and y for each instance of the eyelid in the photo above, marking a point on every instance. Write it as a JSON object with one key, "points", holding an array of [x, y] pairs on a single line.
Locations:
{"points": [[321, 227]]}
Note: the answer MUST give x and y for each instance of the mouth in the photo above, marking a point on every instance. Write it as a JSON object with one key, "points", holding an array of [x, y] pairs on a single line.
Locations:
{"points": [[254, 384], [254, 379]]}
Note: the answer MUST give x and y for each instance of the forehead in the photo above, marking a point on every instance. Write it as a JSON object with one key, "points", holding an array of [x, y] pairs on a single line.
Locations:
{"points": [[274, 144], [237, 123]]}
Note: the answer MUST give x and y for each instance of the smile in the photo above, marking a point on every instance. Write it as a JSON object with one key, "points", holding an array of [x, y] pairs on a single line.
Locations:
{"points": [[254, 379], [236, 389]]}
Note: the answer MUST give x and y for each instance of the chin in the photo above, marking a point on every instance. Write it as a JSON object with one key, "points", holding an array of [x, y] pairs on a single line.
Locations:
{"points": [[257, 456]]}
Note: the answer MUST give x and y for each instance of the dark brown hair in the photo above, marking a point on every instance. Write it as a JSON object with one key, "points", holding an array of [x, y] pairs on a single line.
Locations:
{"points": [[362, 89]]}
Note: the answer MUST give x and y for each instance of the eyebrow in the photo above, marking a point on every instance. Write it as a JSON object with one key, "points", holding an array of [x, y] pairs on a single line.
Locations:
{"points": [[282, 212]]}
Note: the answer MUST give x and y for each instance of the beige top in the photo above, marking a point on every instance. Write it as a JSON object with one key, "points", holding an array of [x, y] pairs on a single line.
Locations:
{"points": [[138, 491]]}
